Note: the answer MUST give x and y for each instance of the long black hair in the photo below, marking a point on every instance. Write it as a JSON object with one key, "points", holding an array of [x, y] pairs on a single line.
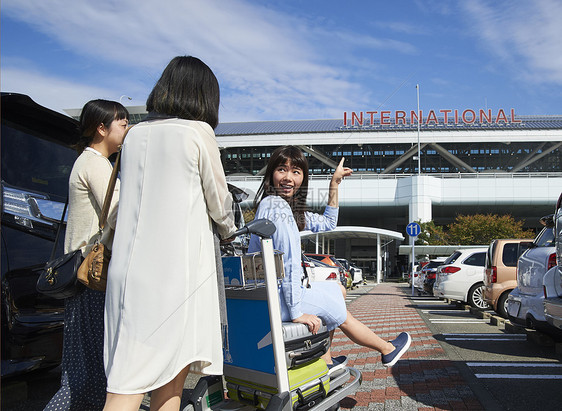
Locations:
{"points": [[94, 113], [187, 89], [286, 155]]}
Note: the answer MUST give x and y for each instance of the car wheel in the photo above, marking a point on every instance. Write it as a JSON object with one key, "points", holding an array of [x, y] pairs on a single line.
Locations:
{"points": [[502, 304], [476, 297]]}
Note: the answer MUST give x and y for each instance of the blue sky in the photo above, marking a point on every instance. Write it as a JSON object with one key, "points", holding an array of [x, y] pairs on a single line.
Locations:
{"points": [[286, 60]]}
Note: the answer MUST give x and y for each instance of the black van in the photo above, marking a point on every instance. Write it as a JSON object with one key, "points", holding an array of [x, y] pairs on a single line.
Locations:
{"points": [[36, 162]]}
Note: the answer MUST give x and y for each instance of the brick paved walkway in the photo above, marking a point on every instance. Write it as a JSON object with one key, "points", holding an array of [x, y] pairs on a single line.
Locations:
{"points": [[424, 378]]}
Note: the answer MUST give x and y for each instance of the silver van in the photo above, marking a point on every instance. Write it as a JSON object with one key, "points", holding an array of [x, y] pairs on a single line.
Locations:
{"points": [[525, 304]]}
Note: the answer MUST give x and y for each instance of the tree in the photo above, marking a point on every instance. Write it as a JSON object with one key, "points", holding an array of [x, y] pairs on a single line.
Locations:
{"points": [[432, 234], [483, 228]]}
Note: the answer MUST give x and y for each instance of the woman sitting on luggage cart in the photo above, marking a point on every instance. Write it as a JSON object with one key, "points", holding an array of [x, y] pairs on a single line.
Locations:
{"points": [[281, 198]]}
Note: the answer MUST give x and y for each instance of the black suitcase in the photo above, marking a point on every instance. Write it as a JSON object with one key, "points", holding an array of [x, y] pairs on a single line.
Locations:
{"points": [[301, 346]]}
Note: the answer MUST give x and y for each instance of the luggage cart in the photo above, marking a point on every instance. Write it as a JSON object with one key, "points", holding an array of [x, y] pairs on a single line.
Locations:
{"points": [[259, 372]]}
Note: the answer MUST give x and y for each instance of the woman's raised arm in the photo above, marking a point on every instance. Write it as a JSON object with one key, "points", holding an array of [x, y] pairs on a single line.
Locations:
{"points": [[337, 178]]}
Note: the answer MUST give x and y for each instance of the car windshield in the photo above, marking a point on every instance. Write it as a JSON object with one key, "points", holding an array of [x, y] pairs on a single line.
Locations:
{"points": [[335, 260], [452, 258], [433, 264], [319, 263], [26, 165], [476, 259], [490, 254], [545, 238]]}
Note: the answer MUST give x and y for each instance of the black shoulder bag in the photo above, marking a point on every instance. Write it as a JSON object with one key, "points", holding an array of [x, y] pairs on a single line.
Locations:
{"points": [[58, 277]]}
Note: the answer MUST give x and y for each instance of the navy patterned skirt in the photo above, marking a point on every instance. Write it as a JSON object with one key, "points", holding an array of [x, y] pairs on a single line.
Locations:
{"points": [[83, 381]]}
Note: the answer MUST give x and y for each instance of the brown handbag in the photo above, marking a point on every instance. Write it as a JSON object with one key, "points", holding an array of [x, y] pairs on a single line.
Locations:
{"points": [[93, 270]]}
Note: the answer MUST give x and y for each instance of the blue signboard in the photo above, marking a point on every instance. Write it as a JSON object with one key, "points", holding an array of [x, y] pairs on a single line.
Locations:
{"points": [[413, 229], [249, 335]]}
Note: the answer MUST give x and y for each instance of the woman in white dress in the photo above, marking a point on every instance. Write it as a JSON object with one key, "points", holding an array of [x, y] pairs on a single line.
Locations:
{"points": [[162, 315]]}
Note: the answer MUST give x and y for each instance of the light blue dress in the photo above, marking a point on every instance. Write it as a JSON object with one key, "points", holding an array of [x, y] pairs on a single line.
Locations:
{"points": [[324, 298]]}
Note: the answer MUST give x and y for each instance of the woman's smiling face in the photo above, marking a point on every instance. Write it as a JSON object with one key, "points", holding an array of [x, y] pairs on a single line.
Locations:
{"points": [[287, 180]]}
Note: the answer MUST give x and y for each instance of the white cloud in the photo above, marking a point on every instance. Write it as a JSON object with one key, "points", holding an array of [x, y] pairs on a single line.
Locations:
{"points": [[270, 64], [52, 92], [524, 35]]}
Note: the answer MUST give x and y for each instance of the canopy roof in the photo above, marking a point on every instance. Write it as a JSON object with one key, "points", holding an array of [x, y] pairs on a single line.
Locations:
{"points": [[345, 232]]}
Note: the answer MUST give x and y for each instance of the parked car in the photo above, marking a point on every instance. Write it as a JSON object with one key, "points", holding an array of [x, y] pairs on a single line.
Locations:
{"points": [[319, 271], [525, 304], [552, 281], [428, 274], [356, 273], [36, 164], [461, 277], [345, 278], [501, 271], [417, 268], [419, 278]]}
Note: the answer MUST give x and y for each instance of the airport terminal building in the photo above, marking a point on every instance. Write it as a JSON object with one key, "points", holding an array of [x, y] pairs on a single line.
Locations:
{"points": [[451, 161]]}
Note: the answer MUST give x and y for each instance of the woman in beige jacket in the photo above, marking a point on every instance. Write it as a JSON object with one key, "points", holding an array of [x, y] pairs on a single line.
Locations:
{"points": [[103, 124]]}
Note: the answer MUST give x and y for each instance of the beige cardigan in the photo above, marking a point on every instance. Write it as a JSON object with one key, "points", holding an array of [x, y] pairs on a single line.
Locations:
{"points": [[88, 183]]}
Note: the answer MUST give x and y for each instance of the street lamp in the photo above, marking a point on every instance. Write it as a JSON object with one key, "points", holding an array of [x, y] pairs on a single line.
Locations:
{"points": [[419, 119], [122, 97]]}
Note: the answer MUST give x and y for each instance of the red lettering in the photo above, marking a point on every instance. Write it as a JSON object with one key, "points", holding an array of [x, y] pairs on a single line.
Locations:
{"points": [[467, 116], [415, 115], [464, 116], [431, 117], [355, 117], [501, 116], [401, 117], [483, 116], [385, 117], [445, 115], [513, 117], [372, 114]]}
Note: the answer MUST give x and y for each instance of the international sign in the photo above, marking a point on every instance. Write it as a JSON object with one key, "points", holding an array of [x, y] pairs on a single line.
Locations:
{"points": [[447, 116]]}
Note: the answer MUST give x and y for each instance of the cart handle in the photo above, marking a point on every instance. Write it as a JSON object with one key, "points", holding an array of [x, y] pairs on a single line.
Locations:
{"points": [[261, 227]]}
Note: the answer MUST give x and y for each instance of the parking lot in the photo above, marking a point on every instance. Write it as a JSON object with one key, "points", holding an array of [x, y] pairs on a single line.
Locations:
{"points": [[459, 359], [507, 367]]}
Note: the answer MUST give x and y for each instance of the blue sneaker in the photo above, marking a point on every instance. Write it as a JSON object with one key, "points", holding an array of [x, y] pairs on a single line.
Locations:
{"points": [[338, 363], [402, 343]]}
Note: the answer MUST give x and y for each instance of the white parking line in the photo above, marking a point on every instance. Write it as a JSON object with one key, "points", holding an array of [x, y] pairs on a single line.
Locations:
{"points": [[475, 334], [515, 364], [456, 321], [521, 376], [443, 311], [482, 339], [428, 301]]}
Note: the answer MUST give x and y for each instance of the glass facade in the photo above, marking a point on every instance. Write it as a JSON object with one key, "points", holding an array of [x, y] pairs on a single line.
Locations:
{"points": [[375, 159]]}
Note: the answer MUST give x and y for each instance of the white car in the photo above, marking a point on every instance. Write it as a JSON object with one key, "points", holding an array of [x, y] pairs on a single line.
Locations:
{"points": [[525, 304], [319, 271], [356, 272], [418, 279], [461, 277], [428, 274]]}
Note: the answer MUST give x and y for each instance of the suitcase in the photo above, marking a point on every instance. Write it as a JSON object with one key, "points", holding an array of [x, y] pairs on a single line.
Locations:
{"points": [[301, 346], [309, 384]]}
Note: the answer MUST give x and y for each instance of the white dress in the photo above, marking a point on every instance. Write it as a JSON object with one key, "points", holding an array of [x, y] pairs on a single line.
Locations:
{"points": [[162, 310]]}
